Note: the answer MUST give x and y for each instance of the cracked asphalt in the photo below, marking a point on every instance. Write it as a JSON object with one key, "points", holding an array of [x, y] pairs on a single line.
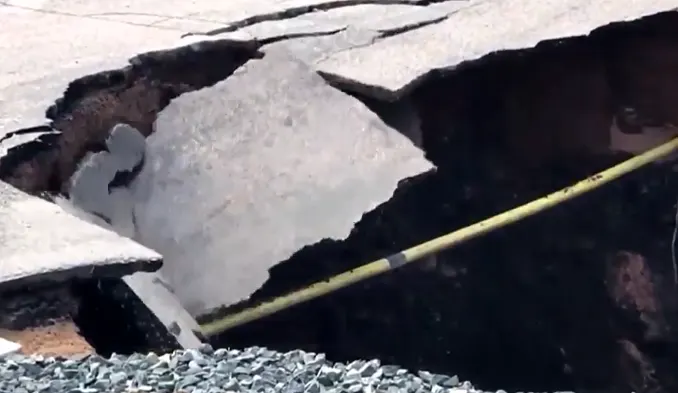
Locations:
{"points": [[51, 42]]}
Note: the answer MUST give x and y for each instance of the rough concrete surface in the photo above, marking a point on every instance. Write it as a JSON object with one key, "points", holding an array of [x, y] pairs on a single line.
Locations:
{"points": [[38, 240], [253, 150]]}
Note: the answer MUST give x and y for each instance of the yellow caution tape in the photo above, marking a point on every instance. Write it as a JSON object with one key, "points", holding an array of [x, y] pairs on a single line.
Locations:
{"points": [[438, 244]]}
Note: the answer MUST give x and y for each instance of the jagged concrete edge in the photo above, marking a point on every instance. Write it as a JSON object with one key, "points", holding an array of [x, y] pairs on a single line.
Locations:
{"points": [[76, 89], [387, 95], [30, 153], [80, 259], [155, 294], [115, 268], [161, 303]]}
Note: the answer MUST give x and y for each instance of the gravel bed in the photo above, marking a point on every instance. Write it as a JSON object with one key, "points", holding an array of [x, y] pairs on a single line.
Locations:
{"points": [[215, 371]]}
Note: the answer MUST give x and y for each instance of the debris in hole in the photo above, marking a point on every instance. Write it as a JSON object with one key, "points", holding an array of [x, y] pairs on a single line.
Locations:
{"points": [[260, 129], [33, 250]]}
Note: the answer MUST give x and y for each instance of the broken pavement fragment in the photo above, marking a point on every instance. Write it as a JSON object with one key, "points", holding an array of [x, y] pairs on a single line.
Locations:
{"points": [[253, 169], [388, 68], [41, 242]]}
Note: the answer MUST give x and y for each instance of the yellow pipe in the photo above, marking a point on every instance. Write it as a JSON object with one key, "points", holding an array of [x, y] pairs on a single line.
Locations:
{"points": [[435, 245]]}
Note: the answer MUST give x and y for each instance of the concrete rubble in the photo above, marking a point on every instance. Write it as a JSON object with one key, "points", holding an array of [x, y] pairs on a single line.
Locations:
{"points": [[222, 138]]}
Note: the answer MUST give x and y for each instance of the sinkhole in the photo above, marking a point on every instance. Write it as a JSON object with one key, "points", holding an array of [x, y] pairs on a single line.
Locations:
{"points": [[581, 297]]}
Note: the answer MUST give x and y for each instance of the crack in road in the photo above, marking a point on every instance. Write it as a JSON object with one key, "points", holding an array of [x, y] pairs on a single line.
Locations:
{"points": [[293, 12]]}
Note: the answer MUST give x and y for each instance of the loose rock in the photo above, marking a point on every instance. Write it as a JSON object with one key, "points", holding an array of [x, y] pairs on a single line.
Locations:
{"points": [[216, 371]]}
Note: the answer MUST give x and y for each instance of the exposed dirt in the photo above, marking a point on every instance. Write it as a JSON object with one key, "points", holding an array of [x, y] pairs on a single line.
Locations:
{"points": [[60, 339]]}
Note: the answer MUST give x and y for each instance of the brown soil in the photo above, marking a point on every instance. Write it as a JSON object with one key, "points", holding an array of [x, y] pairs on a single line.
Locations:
{"points": [[60, 339]]}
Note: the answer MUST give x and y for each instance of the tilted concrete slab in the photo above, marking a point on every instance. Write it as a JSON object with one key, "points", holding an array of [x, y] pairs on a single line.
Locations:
{"points": [[252, 169], [40, 241], [149, 287]]}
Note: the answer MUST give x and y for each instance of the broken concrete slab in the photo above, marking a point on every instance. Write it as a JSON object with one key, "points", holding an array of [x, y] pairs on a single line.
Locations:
{"points": [[253, 150], [95, 103], [387, 68], [104, 120], [40, 241], [158, 298]]}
